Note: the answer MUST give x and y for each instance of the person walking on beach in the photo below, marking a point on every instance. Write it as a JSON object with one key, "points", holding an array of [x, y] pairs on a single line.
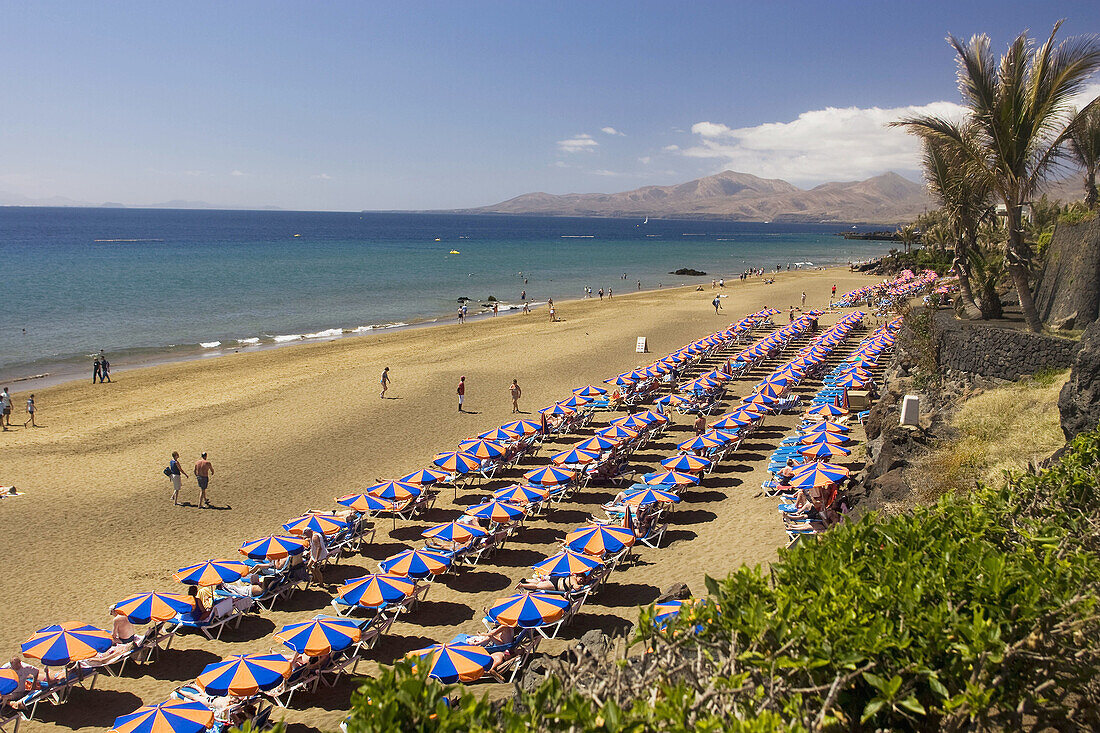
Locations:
{"points": [[803, 298], [5, 409], [550, 305], [385, 382], [173, 473], [97, 369], [834, 290], [717, 303], [461, 392], [609, 292], [601, 293], [30, 411], [515, 393], [203, 471], [526, 307], [461, 318], [639, 285], [465, 312], [104, 370]]}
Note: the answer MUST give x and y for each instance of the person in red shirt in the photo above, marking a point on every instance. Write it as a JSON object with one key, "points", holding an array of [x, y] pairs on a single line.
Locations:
{"points": [[461, 392]]}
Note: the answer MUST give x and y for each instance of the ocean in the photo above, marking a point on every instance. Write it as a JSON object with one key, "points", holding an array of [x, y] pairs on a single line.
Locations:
{"points": [[148, 285]]}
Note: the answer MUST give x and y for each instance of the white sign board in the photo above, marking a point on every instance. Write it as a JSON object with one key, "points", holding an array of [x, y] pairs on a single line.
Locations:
{"points": [[641, 348]]}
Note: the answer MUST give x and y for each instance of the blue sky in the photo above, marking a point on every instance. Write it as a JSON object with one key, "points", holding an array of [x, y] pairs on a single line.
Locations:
{"points": [[352, 105]]}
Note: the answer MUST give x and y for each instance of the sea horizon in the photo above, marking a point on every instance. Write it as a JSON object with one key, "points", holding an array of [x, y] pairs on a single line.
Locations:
{"points": [[156, 285]]}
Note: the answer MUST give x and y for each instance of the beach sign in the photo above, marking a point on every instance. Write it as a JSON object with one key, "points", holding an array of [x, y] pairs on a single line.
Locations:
{"points": [[641, 348]]}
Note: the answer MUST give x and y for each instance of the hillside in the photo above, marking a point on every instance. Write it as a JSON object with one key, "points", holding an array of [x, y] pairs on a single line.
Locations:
{"points": [[884, 199]]}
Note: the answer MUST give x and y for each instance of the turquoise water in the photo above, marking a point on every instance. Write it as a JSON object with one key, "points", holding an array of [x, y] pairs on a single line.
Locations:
{"points": [[144, 284]]}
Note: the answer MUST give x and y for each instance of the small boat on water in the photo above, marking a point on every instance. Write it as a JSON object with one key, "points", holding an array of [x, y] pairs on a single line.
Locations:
{"points": [[454, 252]]}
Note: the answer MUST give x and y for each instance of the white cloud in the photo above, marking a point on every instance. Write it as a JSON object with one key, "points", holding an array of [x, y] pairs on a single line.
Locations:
{"points": [[820, 145], [607, 173], [561, 164], [1086, 95], [645, 160], [670, 148], [577, 144], [612, 131], [238, 173], [321, 177]]}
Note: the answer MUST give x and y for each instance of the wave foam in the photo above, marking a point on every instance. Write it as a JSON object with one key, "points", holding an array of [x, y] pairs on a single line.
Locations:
{"points": [[253, 340], [327, 333], [288, 337], [210, 344]]}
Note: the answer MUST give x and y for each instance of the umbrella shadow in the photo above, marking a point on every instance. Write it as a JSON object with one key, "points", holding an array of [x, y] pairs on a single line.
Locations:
{"points": [[692, 516], [252, 627], [605, 622], [410, 532], [512, 558], [538, 536], [307, 600], [568, 516], [302, 727], [679, 535], [342, 573], [173, 664], [477, 581], [382, 550], [90, 708], [442, 613], [621, 595], [395, 646], [706, 496]]}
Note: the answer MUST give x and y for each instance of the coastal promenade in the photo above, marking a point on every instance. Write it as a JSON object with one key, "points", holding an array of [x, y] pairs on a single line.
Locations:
{"points": [[292, 428]]}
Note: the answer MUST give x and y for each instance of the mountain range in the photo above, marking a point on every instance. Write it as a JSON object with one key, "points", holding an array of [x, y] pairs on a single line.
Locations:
{"points": [[884, 199]]}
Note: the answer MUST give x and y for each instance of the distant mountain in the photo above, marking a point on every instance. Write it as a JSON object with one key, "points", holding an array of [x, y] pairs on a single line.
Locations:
{"points": [[14, 199], [885, 199]]}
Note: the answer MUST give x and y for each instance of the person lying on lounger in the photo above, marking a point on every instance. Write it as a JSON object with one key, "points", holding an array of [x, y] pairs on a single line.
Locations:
{"points": [[27, 679], [500, 635], [786, 473], [561, 583]]}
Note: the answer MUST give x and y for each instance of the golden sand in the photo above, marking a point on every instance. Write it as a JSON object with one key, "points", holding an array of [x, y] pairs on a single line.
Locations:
{"points": [[291, 428]]}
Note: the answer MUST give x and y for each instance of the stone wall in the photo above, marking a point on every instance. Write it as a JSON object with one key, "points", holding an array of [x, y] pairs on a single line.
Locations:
{"points": [[999, 352], [1068, 292], [1079, 402]]}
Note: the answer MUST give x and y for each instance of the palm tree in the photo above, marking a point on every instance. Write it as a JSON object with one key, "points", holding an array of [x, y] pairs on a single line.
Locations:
{"points": [[1020, 109], [1084, 146], [907, 234], [965, 196]]}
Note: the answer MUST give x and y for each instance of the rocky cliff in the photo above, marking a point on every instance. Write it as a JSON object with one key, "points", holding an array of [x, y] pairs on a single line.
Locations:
{"points": [[1068, 292]]}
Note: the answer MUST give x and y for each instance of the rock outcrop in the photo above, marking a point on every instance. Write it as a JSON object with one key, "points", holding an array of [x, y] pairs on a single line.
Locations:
{"points": [[1079, 401], [1068, 293]]}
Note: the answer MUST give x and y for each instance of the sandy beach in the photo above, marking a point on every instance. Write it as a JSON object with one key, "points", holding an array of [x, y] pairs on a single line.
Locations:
{"points": [[291, 428]]}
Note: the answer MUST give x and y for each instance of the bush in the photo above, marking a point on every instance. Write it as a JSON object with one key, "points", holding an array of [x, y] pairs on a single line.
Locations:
{"points": [[979, 611]]}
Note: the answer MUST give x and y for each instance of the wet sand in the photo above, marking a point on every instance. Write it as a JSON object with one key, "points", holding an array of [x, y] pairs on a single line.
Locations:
{"points": [[291, 428]]}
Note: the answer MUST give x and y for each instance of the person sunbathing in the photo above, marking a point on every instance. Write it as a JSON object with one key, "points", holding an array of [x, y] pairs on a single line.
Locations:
{"points": [[786, 473], [560, 583], [26, 680], [122, 631], [255, 585], [498, 636], [204, 601]]}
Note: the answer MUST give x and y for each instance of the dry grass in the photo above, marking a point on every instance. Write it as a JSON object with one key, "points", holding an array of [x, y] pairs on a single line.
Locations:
{"points": [[999, 430]]}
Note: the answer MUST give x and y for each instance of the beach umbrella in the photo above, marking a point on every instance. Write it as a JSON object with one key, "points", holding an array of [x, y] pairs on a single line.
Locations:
{"points": [[575, 456], [818, 474], [730, 422], [557, 409], [147, 607], [650, 496], [457, 461], [819, 451], [665, 612], [363, 503], [9, 681], [274, 547], [634, 422], [567, 562], [394, 491], [653, 416], [670, 478], [590, 391], [321, 635], [826, 410], [598, 443], [528, 610], [500, 512], [500, 435], [60, 644], [453, 532], [517, 494], [325, 524], [597, 539], [759, 399], [827, 426], [750, 411], [824, 436], [212, 572], [686, 463], [482, 449], [549, 476], [171, 716], [423, 477], [526, 427], [699, 442], [416, 563], [450, 663], [852, 380], [243, 675], [617, 431], [770, 390], [726, 436], [576, 401], [670, 400], [376, 589], [621, 380]]}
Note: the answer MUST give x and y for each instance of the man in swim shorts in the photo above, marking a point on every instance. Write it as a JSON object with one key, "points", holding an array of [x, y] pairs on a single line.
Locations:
{"points": [[461, 392], [203, 471]]}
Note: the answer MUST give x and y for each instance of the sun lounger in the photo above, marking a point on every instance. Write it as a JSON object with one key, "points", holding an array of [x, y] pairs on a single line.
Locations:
{"points": [[56, 690], [225, 610], [305, 677], [10, 719]]}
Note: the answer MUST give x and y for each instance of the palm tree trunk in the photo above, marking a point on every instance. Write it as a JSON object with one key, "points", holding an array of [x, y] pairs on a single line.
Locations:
{"points": [[961, 266], [1090, 190], [1019, 258]]}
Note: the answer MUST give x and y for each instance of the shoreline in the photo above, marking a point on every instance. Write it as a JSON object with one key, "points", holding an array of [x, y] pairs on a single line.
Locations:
{"points": [[159, 356]]}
